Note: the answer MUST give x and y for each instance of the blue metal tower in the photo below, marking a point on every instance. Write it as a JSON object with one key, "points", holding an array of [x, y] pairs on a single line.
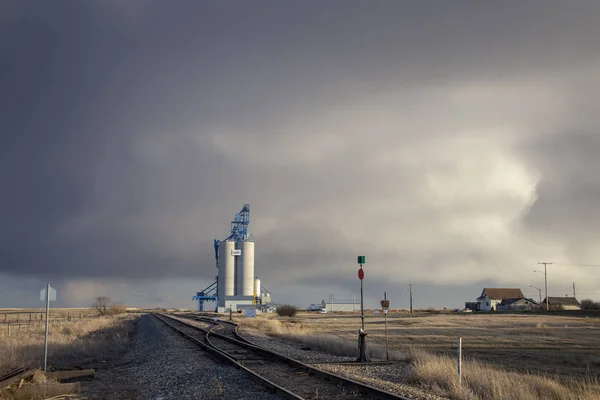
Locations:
{"points": [[239, 226], [208, 294], [239, 230]]}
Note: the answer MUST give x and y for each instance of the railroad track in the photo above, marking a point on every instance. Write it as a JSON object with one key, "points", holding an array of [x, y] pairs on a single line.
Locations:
{"points": [[284, 376]]}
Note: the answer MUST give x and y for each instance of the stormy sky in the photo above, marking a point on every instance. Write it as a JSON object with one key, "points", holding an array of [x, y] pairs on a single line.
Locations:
{"points": [[454, 144]]}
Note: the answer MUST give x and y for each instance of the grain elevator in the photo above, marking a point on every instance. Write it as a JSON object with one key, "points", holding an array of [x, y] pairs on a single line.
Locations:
{"points": [[236, 286]]}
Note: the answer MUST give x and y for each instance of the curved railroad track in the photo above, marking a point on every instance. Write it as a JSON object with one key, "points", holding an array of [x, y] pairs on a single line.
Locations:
{"points": [[284, 376]]}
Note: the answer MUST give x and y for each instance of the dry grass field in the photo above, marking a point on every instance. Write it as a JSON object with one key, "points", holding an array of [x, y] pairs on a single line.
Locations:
{"points": [[506, 356], [24, 313], [78, 341]]}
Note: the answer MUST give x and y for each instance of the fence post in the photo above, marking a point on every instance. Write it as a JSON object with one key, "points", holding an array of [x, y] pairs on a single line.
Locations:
{"points": [[459, 360], [9, 329]]}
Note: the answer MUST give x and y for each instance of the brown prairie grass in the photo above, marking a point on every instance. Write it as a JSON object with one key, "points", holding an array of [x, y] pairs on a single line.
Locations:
{"points": [[75, 341], [275, 327], [332, 344], [510, 357], [480, 381]]}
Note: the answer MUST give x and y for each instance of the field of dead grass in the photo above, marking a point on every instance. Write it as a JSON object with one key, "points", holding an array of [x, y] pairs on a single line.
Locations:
{"points": [[23, 313], [506, 356], [438, 373], [77, 341]]}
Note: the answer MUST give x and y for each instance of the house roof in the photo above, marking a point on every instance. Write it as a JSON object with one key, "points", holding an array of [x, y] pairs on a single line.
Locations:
{"points": [[506, 302], [565, 301], [501, 293]]}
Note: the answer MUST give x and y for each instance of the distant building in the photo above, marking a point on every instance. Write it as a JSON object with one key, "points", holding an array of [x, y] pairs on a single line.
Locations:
{"points": [[491, 297], [517, 304], [333, 305], [567, 303]]}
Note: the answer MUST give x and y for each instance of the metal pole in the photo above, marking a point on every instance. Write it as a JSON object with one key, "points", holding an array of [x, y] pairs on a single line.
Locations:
{"points": [[353, 302], [546, 285], [362, 309], [46, 335], [574, 289], [411, 308], [387, 357], [546, 282], [459, 360], [331, 302]]}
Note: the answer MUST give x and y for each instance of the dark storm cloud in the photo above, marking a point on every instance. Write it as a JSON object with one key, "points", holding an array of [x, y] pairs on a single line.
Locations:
{"points": [[569, 191], [132, 132]]}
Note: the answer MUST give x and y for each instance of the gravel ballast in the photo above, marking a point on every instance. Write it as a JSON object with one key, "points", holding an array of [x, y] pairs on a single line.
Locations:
{"points": [[162, 365]]}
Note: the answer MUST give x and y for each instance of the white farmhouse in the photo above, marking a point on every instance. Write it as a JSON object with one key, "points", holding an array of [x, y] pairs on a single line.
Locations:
{"points": [[491, 297]]}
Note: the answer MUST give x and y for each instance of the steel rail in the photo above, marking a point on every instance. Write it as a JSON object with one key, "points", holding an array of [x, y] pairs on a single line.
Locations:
{"points": [[225, 358], [307, 369]]}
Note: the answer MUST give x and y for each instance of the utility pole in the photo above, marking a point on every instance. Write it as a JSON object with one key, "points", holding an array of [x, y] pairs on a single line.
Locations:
{"points": [[331, 302], [46, 334], [574, 290], [411, 308], [546, 281]]}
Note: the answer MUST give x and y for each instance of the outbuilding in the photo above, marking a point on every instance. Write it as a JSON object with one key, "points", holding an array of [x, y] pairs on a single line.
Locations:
{"points": [[517, 305], [341, 305], [566, 303]]}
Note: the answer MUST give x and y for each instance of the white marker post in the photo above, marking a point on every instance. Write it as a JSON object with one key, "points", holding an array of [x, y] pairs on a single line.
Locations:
{"points": [[459, 360], [47, 294]]}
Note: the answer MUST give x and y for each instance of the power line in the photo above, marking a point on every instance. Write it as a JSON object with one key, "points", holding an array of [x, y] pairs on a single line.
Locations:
{"points": [[578, 265]]}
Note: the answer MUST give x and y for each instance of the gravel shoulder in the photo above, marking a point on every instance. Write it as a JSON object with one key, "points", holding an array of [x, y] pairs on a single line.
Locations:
{"points": [[162, 365], [391, 378]]}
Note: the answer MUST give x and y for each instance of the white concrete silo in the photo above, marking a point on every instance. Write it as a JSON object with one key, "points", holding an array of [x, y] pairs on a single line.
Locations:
{"points": [[247, 259], [226, 269], [239, 276]]}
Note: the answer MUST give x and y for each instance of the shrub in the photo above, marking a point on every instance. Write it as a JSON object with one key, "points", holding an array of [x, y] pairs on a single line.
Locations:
{"points": [[588, 304], [117, 309], [287, 310]]}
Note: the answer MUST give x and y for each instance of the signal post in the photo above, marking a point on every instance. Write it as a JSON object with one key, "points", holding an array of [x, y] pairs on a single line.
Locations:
{"points": [[362, 335], [385, 305]]}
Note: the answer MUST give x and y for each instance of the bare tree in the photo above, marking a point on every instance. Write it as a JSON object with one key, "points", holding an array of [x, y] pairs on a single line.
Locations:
{"points": [[102, 304]]}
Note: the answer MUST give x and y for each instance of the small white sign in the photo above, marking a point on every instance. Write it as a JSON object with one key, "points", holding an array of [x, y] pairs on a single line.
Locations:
{"points": [[385, 311], [52, 294], [237, 252]]}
